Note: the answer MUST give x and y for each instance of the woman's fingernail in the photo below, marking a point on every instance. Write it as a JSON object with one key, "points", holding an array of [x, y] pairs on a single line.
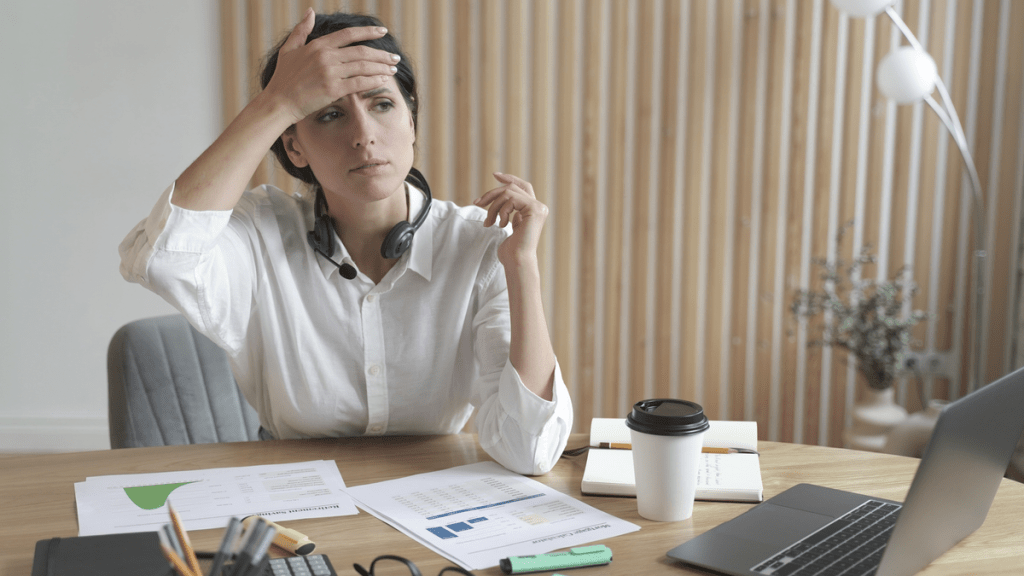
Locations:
{"points": [[396, 58], [393, 69], [382, 30]]}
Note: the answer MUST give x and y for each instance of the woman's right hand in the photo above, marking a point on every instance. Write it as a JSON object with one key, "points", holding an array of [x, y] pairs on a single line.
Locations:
{"points": [[311, 76], [308, 77]]}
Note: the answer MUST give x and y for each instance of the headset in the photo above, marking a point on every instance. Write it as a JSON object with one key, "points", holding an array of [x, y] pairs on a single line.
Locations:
{"points": [[396, 243]]}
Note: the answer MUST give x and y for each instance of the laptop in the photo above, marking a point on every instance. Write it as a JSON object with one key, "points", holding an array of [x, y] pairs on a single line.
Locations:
{"points": [[955, 483]]}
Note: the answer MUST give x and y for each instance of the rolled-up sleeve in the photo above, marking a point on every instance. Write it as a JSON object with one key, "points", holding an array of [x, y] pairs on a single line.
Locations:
{"points": [[520, 430], [183, 256]]}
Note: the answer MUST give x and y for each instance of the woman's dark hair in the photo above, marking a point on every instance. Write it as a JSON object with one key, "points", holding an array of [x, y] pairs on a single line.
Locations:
{"points": [[323, 25]]}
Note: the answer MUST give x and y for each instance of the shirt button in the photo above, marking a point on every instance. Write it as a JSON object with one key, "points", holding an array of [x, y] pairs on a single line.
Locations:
{"points": [[374, 370], [371, 297], [376, 429]]}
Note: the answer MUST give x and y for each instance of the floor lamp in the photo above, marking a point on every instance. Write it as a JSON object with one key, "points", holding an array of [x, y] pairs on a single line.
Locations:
{"points": [[907, 75]]}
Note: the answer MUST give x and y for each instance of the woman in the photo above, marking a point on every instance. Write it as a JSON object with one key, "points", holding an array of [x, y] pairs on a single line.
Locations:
{"points": [[329, 333]]}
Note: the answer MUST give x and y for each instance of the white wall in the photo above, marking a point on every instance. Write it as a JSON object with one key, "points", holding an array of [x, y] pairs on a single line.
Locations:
{"points": [[102, 104]]}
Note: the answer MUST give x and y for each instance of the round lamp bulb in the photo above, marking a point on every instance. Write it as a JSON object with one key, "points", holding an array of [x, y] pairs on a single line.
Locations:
{"points": [[862, 8], [906, 75]]}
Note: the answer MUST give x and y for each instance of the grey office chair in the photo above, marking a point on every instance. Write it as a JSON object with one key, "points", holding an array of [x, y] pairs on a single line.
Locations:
{"points": [[168, 384]]}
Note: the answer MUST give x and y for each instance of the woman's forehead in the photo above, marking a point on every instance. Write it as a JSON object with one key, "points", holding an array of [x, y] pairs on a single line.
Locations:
{"points": [[388, 89]]}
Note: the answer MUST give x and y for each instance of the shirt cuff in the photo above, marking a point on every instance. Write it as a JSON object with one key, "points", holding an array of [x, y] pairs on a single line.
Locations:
{"points": [[531, 412], [178, 229]]}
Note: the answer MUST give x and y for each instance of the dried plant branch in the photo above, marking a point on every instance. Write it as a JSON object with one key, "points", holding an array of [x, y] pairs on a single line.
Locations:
{"points": [[863, 316]]}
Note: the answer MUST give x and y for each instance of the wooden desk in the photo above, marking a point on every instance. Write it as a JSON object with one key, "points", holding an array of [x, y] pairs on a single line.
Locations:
{"points": [[37, 499]]}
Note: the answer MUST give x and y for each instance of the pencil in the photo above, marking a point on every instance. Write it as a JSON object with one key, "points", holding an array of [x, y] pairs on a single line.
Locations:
{"points": [[705, 450], [616, 445], [190, 555]]}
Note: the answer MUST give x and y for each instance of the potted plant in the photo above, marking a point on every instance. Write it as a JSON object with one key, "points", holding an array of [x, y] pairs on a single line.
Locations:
{"points": [[865, 317]]}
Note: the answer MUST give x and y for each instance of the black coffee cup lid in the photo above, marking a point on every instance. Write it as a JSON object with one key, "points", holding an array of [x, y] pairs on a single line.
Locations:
{"points": [[667, 417]]}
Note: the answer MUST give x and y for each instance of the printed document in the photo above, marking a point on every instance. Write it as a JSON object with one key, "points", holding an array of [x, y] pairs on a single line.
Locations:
{"points": [[210, 498], [477, 514]]}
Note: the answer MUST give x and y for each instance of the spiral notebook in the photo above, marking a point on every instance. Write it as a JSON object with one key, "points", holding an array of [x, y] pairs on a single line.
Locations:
{"points": [[732, 477]]}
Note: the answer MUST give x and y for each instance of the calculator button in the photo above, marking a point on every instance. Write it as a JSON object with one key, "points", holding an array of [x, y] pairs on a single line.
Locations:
{"points": [[318, 567], [312, 565]]}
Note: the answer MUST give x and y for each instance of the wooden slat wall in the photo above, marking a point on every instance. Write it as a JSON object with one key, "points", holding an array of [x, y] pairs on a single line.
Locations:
{"points": [[696, 155]]}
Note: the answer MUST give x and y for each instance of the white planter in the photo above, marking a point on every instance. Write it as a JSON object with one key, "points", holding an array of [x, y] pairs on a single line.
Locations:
{"points": [[873, 419], [910, 437]]}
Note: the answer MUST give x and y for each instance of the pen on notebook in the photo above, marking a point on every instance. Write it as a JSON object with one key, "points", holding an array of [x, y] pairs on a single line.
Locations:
{"points": [[179, 530], [226, 546], [616, 445], [169, 553], [711, 450], [706, 449]]}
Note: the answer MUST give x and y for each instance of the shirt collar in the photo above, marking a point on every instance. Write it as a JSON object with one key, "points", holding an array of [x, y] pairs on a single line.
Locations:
{"points": [[421, 253]]}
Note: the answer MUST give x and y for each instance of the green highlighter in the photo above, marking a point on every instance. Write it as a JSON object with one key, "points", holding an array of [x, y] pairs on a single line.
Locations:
{"points": [[573, 558]]}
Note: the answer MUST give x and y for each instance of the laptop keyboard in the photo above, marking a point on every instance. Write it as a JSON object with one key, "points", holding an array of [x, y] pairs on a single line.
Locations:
{"points": [[850, 545]]}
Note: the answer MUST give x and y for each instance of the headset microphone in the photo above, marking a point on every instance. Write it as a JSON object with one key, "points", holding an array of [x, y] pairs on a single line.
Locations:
{"points": [[397, 241], [346, 270]]}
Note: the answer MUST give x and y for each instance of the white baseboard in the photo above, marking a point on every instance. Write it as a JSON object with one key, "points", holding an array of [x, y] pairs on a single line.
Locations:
{"points": [[53, 434]]}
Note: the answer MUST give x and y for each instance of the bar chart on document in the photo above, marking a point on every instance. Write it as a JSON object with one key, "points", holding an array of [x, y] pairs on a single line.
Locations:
{"points": [[209, 498], [479, 513], [480, 498]]}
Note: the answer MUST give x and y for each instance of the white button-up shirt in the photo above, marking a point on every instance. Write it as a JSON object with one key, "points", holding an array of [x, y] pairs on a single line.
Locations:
{"points": [[321, 356]]}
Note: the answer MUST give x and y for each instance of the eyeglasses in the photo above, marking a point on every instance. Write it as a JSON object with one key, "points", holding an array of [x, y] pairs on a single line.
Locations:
{"points": [[388, 565]]}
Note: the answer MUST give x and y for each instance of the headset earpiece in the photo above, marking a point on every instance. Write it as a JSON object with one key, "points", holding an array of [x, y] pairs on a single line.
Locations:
{"points": [[321, 238], [398, 240]]}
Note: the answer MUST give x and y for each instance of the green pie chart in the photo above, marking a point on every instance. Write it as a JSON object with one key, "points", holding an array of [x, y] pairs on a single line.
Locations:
{"points": [[152, 497]]}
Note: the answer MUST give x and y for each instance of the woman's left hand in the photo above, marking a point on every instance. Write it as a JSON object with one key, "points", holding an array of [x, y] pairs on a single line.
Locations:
{"points": [[515, 201]]}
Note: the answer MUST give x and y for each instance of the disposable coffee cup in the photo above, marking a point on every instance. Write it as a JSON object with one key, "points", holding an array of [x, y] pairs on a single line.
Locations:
{"points": [[667, 437]]}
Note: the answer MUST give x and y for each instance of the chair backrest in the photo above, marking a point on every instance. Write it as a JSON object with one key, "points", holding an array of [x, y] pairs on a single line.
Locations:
{"points": [[168, 384]]}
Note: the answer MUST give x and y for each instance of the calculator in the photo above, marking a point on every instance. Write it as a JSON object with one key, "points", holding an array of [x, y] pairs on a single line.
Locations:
{"points": [[311, 565]]}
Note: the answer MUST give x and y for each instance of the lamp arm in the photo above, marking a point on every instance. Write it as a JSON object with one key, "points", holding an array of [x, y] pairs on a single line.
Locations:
{"points": [[948, 105], [977, 214], [895, 17], [965, 155], [954, 125], [947, 114], [943, 116]]}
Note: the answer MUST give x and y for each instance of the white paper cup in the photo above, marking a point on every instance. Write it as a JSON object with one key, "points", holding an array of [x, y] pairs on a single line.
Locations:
{"points": [[667, 436]]}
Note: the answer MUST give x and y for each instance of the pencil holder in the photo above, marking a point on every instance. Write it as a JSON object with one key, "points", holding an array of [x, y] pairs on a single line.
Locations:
{"points": [[245, 569]]}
